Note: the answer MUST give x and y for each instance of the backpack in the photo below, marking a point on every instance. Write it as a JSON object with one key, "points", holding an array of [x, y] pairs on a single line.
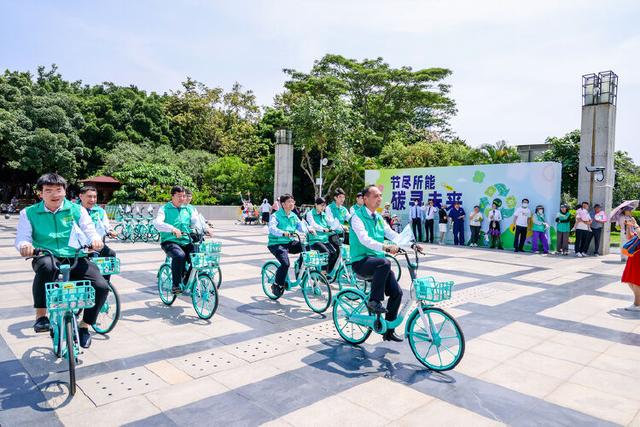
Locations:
{"points": [[631, 247]]}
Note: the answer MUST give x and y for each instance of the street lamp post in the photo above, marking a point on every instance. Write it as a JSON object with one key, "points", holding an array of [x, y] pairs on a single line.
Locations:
{"points": [[319, 181]]}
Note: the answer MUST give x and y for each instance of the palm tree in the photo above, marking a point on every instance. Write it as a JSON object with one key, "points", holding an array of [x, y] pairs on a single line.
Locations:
{"points": [[500, 152]]}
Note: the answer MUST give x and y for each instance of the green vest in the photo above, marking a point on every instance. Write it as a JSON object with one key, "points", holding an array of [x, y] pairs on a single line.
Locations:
{"points": [[356, 207], [538, 227], [375, 230], [564, 227], [339, 213], [97, 214], [321, 220], [190, 207], [180, 218], [52, 230], [287, 224]]}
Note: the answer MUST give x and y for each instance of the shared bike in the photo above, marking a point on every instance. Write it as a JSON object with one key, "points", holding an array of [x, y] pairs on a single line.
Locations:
{"points": [[308, 277], [203, 277], [434, 336]]}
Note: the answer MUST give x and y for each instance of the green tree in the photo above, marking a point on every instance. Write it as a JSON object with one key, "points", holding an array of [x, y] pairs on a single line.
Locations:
{"points": [[149, 182], [565, 150], [627, 185], [500, 152], [228, 177]]}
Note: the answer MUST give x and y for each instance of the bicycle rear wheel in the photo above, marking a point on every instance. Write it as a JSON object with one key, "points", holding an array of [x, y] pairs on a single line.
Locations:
{"points": [[165, 283], [317, 292], [71, 354], [269, 278], [439, 344], [347, 303], [109, 313]]}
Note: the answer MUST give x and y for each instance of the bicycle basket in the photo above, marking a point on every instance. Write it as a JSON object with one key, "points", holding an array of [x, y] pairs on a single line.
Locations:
{"points": [[64, 296], [107, 265], [314, 259], [199, 260], [346, 254], [427, 289], [210, 246], [213, 259]]}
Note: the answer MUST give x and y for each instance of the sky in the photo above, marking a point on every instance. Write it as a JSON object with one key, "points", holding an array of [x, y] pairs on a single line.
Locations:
{"points": [[517, 65]]}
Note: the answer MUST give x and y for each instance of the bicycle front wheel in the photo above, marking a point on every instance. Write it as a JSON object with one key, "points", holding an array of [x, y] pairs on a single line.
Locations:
{"points": [[317, 292], [71, 354], [438, 344], [204, 296], [109, 313]]}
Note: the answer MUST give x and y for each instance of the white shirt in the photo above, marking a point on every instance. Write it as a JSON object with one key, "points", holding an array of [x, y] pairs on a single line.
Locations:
{"points": [[333, 223], [475, 219], [415, 212], [522, 216], [583, 215], [168, 228], [358, 227], [265, 207], [24, 233], [495, 215], [429, 212], [313, 225]]}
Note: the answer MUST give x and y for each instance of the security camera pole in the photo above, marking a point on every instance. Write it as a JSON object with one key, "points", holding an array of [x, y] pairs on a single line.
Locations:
{"points": [[596, 174]]}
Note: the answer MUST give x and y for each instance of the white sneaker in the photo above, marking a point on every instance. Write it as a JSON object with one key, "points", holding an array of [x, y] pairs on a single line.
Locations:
{"points": [[579, 255], [633, 308]]}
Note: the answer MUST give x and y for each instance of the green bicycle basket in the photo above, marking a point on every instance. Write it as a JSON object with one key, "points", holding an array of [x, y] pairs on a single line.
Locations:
{"points": [[315, 259], [210, 246], [427, 289], [213, 259], [199, 260], [64, 296], [107, 265]]}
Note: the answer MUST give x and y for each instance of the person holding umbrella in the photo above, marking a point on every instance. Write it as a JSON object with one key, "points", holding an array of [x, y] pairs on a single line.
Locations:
{"points": [[621, 215]]}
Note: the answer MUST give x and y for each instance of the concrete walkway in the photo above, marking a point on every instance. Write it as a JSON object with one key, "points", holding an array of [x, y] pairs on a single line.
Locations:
{"points": [[547, 344]]}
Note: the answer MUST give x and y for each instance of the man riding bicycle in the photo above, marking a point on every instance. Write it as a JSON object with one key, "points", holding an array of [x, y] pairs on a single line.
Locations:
{"points": [[173, 221], [367, 234], [320, 231], [337, 213], [88, 200], [282, 225], [53, 224], [358, 205]]}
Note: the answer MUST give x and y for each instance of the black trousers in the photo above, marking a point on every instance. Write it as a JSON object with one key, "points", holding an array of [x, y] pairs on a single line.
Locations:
{"points": [[329, 249], [520, 237], [597, 234], [428, 230], [178, 254], [281, 252], [475, 234], [416, 226], [107, 252], [583, 239], [383, 282], [46, 271]]}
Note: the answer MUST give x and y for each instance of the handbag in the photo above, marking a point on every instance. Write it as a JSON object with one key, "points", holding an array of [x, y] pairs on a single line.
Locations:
{"points": [[631, 247]]}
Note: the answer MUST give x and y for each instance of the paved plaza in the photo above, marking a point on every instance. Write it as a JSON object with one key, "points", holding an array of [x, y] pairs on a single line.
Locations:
{"points": [[547, 344]]}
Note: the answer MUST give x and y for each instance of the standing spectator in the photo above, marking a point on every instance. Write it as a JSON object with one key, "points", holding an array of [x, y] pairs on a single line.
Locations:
{"points": [[386, 213], [265, 210], [429, 215], [495, 216], [631, 274], [415, 212], [599, 220], [627, 224], [475, 223], [457, 215], [583, 230], [521, 220], [540, 228], [563, 227], [443, 223]]}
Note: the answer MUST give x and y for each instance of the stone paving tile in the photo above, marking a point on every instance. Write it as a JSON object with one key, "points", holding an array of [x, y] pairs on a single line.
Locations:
{"points": [[443, 413]]}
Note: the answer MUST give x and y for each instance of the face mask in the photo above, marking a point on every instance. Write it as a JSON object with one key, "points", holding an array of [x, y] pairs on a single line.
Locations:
{"points": [[524, 205], [540, 211]]}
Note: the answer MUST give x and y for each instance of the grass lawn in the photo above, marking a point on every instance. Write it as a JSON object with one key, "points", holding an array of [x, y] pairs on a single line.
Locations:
{"points": [[615, 239]]}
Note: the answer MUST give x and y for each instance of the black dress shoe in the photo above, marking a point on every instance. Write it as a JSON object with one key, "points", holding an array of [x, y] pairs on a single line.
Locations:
{"points": [[390, 335], [176, 290], [42, 324], [277, 290], [84, 337], [376, 307]]}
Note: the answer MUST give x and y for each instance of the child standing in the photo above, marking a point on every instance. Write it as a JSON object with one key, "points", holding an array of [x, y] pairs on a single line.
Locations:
{"points": [[540, 228], [443, 222], [495, 216], [563, 227]]}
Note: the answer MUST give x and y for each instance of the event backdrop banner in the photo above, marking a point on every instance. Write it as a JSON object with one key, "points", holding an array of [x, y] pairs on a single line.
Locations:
{"points": [[506, 184]]}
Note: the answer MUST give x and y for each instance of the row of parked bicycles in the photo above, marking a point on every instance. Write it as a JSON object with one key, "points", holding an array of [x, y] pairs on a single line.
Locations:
{"points": [[135, 226], [66, 299]]}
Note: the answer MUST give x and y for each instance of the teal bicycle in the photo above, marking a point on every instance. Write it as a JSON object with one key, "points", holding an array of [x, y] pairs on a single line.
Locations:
{"points": [[434, 336], [109, 313], [315, 287], [202, 281], [64, 299]]}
